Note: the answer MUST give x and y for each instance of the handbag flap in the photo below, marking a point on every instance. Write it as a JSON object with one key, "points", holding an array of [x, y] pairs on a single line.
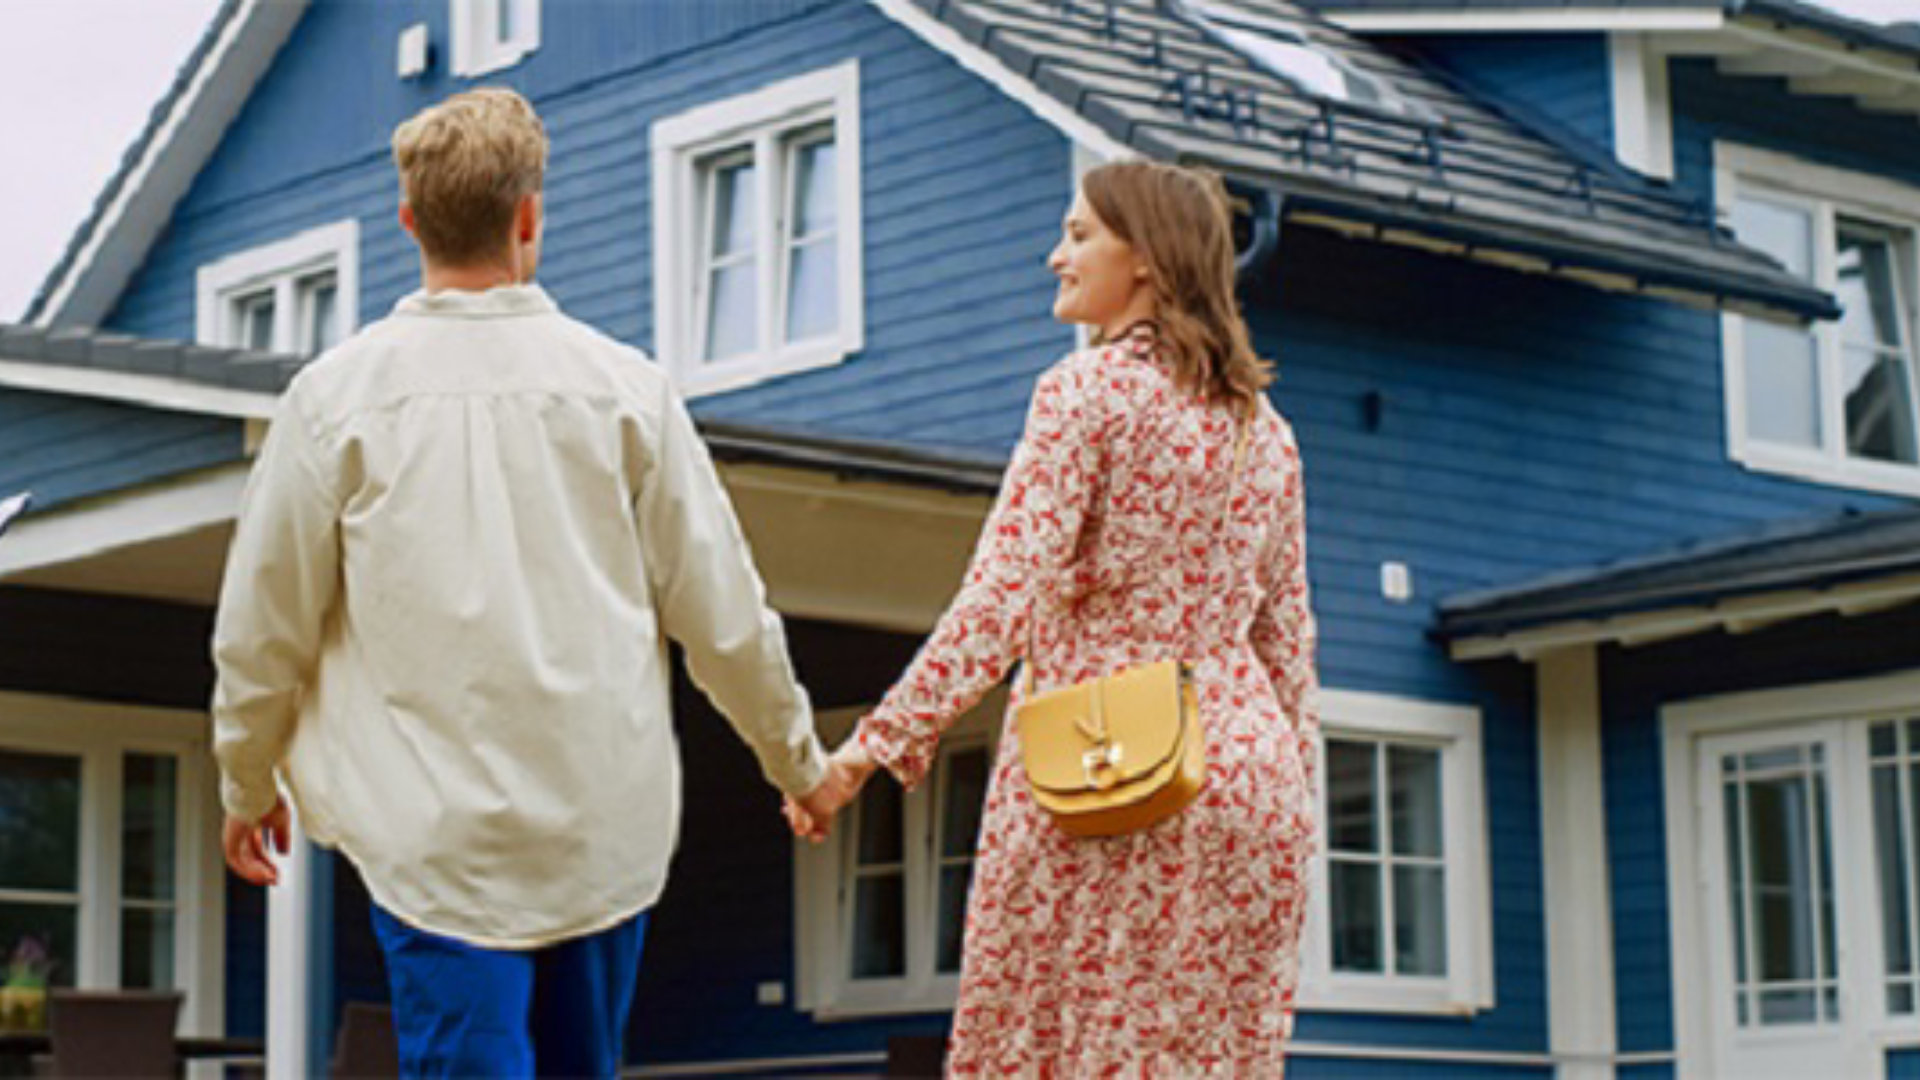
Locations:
{"points": [[1142, 708]]}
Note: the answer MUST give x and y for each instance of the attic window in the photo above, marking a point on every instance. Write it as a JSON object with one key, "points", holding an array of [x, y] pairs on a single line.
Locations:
{"points": [[1284, 52], [489, 35]]}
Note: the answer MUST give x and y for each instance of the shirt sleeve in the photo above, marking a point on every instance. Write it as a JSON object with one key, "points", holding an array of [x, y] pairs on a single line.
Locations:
{"points": [[282, 578], [711, 600], [1020, 561], [1284, 634]]}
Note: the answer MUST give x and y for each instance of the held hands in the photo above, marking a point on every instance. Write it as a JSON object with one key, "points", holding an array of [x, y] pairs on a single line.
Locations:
{"points": [[811, 815], [247, 843]]}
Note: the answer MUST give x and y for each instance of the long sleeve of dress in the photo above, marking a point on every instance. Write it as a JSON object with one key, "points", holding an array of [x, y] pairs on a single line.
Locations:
{"points": [[1019, 563], [1284, 634], [283, 574]]}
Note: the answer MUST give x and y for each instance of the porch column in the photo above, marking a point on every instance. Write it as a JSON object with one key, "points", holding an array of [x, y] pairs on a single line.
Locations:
{"points": [[1573, 849], [298, 981]]}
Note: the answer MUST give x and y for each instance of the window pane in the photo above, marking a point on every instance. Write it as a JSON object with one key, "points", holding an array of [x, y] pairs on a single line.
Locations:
{"points": [[1780, 851], [1879, 397], [1736, 876], [1784, 232], [146, 949], [963, 799], [880, 826], [879, 927], [40, 938], [1783, 385], [1356, 916], [147, 827], [733, 323], [1883, 739], [1866, 289], [504, 13], [954, 882], [1786, 1007], [1900, 999], [256, 322], [732, 187], [815, 209], [320, 295], [813, 293], [39, 821], [1414, 776], [1419, 920], [1891, 846], [1352, 810]]}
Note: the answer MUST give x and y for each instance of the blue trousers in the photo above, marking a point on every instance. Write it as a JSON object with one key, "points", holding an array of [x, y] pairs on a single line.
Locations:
{"points": [[463, 1011]]}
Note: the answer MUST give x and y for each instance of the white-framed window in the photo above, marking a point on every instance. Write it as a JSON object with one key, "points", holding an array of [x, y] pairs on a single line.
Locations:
{"points": [[1791, 860], [488, 35], [298, 296], [756, 233], [108, 856], [1400, 917], [882, 905], [1836, 402]]}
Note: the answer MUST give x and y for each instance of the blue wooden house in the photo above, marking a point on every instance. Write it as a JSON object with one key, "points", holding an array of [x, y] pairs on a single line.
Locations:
{"points": [[1597, 324]]}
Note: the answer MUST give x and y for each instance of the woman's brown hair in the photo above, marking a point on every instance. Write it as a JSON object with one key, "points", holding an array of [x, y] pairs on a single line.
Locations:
{"points": [[1178, 221]]}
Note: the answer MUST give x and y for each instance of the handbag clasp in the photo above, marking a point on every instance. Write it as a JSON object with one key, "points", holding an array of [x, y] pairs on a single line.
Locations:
{"points": [[1102, 765]]}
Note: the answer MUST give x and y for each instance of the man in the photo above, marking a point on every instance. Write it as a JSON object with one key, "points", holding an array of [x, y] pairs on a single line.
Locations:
{"points": [[469, 533]]}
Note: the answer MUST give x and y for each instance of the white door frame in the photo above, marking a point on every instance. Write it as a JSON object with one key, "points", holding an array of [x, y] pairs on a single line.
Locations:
{"points": [[1683, 726]]}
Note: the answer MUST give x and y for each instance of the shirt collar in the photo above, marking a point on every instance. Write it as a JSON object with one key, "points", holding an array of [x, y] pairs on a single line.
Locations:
{"points": [[502, 300]]}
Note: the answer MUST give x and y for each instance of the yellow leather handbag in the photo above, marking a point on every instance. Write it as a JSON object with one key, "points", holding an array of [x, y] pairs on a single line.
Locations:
{"points": [[1110, 755]]}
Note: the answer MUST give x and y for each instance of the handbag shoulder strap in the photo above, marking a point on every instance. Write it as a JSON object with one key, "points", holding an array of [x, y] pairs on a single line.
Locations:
{"points": [[1239, 456]]}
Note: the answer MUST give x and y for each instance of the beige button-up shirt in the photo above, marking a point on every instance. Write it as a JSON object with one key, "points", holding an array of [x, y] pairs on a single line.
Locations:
{"points": [[468, 536]]}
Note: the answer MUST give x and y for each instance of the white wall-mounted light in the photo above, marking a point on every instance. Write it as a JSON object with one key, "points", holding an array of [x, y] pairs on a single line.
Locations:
{"points": [[413, 51]]}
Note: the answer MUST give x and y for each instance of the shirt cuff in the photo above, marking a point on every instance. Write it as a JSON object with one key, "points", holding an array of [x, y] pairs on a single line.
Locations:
{"points": [[247, 802]]}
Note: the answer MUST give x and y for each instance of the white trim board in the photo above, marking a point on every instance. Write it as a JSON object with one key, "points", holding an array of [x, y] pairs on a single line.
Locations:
{"points": [[1642, 104], [155, 391], [152, 512], [1600, 19], [1016, 86], [126, 229]]}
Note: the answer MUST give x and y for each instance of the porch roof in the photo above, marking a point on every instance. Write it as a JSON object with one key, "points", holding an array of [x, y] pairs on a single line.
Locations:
{"points": [[1851, 564]]}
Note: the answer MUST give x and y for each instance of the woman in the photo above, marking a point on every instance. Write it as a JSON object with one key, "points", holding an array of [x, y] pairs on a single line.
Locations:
{"points": [[1123, 535]]}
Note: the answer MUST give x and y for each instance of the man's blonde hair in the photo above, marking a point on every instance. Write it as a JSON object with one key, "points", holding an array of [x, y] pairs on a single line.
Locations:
{"points": [[464, 166]]}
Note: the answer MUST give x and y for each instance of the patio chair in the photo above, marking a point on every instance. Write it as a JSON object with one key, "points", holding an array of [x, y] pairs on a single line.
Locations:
{"points": [[114, 1033]]}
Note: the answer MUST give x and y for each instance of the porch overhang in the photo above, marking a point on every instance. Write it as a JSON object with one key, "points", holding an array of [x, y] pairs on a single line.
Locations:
{"points": [[1851, 566]]}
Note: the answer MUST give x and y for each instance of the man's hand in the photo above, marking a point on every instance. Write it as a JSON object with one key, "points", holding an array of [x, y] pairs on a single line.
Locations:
{"points": [[246, 845], [811, 815]]}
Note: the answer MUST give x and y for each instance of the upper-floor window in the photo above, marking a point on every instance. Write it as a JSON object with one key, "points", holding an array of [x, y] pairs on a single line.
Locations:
{"points": [[492, 34], [756, 212], [1834, 402], [883, 904], [1400, 917], [298, 295]]}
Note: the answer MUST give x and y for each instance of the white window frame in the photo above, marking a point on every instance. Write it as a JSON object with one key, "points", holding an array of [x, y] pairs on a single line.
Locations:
{"points": [[101, 735], [220, 286], [821, 916], [474, 28], [761, 118], [1468, 985], [1852, 706], [1827, 193]]}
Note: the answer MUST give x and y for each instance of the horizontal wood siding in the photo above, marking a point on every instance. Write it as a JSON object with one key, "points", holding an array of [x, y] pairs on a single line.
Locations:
{"points": [[65, 448]]}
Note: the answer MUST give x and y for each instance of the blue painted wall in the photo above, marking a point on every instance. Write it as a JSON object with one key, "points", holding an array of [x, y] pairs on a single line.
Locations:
{"points": [[1903, 1064], [1562, 78], [65, 448]]}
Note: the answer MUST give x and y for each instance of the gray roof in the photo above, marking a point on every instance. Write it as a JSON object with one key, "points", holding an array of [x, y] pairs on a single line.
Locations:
{"points": [[1898, 37], [1815, 554], [1454, 169], [233, 369]]}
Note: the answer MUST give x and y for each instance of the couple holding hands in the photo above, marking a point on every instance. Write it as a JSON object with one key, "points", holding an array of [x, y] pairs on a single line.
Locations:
{"points": [[475, 525]]}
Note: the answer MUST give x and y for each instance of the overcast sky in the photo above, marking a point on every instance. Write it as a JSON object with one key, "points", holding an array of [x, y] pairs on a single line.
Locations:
{"points": [[78, 77]]}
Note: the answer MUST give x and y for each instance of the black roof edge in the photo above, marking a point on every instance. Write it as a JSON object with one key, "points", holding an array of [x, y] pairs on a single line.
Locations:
{"points": [[1901, 37], [957, 471]]}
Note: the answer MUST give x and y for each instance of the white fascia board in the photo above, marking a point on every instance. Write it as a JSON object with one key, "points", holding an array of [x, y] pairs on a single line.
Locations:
{"points": [[1016, 86], [151, 512], [152, 391], [1541, 20], [192, 131], [1737, 615]]}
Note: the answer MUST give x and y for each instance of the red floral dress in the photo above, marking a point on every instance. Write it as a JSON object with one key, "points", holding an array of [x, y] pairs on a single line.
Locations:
{"points": [[1171, 951]]}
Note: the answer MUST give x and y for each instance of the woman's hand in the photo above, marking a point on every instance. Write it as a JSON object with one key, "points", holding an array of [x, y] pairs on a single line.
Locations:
{"points": [[811, 816]]}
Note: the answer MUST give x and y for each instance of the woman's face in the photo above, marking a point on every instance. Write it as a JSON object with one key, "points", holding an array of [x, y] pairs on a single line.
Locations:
{"points": [[1102, 281]]}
